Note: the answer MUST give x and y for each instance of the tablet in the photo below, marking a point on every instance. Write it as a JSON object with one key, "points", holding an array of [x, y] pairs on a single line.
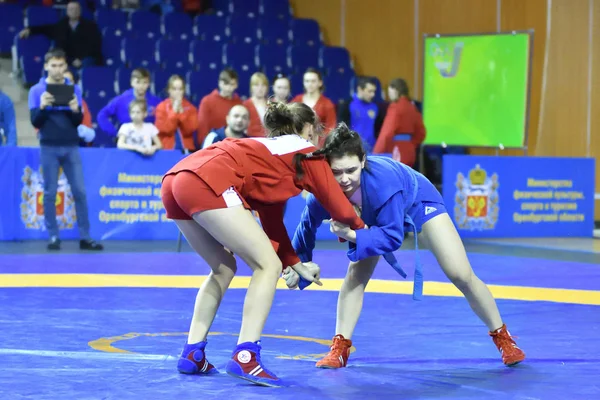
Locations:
{"points": [[62, 93]]}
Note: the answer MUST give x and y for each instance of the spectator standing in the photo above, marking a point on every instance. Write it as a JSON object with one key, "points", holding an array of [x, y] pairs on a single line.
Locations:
{"points": [[403, 130], [281, 88], [314, 98], [59, 142], [257, 104], [214, 107], [362, 114], [176, 118]]}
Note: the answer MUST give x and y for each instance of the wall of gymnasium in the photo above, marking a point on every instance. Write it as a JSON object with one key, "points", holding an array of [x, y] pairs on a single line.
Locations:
{"points": [[384, 38]]}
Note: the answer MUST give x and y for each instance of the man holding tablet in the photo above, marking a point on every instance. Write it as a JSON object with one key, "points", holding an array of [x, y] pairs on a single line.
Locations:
{"points": [[55, 108]]}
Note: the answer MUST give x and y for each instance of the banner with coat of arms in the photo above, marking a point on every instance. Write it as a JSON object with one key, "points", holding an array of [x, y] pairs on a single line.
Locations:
{"points": [[123, 197], [490, 196]]}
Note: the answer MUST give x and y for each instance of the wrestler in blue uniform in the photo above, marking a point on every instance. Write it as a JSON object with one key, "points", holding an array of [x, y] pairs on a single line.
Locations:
{"points": [[394, 198], [391, 197]]}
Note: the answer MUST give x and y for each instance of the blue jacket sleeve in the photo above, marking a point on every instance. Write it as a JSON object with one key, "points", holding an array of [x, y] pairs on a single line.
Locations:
{"points": [[106, 115], [10, 123], [37, 115], [153, 102], [306, 232], [386, 236]]}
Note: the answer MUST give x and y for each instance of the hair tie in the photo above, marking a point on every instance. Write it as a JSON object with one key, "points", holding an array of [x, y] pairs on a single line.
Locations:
{"points": [[309, 155]]}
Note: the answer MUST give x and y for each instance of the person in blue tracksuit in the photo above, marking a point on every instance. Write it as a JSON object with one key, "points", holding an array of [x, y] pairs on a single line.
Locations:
{"points": [[390, 197]]}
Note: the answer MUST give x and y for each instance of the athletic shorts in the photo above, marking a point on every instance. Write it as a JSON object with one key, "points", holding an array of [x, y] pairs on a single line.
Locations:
{"points": [[185, 193], [429, 203]]}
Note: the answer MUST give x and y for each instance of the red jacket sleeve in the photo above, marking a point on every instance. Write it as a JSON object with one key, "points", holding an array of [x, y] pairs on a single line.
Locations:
{"points": [[384, 143], [166, 119], [271, 218], [188, 121], [319, 180]]}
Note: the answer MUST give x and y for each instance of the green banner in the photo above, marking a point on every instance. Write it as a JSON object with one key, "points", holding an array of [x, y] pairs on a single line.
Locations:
{"points": [[476, 89]]}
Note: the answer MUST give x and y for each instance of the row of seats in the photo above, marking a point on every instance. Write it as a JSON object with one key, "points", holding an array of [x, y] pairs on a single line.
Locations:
{"points": [[200, 55], [272, 27], [181, 56], [234, 28]]}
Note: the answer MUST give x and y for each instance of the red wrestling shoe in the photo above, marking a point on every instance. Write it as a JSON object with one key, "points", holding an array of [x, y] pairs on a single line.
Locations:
{"points": [[338, 354], [511, 354]]}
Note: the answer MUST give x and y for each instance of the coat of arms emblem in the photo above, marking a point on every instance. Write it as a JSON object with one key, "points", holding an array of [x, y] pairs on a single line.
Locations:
{"points": [[476, 200], [32, 201]]}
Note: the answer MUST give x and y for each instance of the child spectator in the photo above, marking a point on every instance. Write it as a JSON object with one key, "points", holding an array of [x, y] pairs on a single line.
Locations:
{"points": [[176, 118], [138, 135], [118, 108], [214, 107]]}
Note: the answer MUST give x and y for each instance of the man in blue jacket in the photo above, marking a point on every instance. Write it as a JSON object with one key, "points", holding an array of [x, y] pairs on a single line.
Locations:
{"points": [[362, 114], [8, 123], [59, 147]]}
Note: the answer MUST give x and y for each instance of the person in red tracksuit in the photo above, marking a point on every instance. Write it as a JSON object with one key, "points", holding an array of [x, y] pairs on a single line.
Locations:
{"points": [[257, 104], [176, 117], [314, 98], [402, 118], [281, 88], [214, 107], [209, 195]]}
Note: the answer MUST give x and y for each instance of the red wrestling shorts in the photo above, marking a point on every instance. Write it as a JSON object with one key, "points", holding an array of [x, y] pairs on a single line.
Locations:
{"points": [[184, 194]]}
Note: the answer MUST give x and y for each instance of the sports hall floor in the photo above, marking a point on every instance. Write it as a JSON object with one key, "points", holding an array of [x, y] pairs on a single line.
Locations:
{"points": [[110, 325]]}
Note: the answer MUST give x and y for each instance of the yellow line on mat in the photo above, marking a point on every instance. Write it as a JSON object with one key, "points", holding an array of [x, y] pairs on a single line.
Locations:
{"points": [[572, 296]]}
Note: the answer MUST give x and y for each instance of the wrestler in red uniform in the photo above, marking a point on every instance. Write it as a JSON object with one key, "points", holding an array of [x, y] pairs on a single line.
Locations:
{"points": [[209, 195]]}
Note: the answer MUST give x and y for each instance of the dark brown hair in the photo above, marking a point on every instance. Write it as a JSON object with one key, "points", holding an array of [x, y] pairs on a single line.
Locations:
{"points": [[228, 75], [341, 141], [140, 73], [319, 75], [57, 54], [401, 86], [287, 119]]}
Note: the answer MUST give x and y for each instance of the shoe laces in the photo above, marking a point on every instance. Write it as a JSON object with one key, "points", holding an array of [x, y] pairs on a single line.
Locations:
{"points": [[339, 344], [505, 340]]}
